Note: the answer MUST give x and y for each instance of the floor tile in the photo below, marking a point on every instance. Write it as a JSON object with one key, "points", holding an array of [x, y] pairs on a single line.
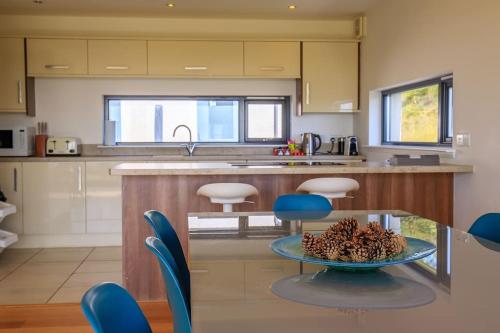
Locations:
{"points": [[6, 268], [100, 266], [17, 255], [62, 254], [106, 253], [25, 295], [88, 280], [69, 295], [50, 268], [24, 280]]}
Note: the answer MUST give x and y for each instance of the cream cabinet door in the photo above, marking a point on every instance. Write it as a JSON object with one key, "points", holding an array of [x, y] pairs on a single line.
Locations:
{"points": [[52, 57], [195, 58], [11, 183], [118, 57], [12, 75], [329, 77], [103, 198], [272, 59], [54, 197]]}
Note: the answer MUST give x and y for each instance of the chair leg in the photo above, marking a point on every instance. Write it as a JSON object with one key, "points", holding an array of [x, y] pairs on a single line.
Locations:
{"points": [[227, 208]]}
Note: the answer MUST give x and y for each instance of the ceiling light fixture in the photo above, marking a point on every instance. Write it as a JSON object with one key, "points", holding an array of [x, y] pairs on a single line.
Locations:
{"points": [[170, 5], [292, 7]]}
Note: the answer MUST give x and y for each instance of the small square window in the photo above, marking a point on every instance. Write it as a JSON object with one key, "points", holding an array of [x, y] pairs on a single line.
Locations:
{"points": [[265, 121]]}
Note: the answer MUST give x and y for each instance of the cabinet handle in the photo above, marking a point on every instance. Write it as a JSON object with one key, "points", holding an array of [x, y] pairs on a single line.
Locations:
{"points": [[57, 66], [15, 180], [307, 93], [117, 67], [79, 179], [195, 68], [199, 271], [272, 68], [19, 92]]}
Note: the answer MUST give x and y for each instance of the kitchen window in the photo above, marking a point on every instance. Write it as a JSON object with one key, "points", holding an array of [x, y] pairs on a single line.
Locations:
{"points": [[419, 114], [220, 120]]}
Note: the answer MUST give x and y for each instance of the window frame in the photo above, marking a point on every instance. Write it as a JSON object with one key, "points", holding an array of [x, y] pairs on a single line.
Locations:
{"points": [[285, 128], [445, 139], [242, 120]]}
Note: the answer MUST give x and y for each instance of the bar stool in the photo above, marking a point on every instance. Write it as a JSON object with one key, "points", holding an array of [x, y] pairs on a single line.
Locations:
{"points": [[330, 188], [227, 194]]}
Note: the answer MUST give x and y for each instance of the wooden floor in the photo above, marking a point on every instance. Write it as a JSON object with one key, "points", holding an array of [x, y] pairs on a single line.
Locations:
{"points": [[68, 318]]}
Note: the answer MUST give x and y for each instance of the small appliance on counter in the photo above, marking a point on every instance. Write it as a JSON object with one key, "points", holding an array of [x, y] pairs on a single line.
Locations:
{"points": [[351, 146], [17, 141], [63, 146], [311, 143]]}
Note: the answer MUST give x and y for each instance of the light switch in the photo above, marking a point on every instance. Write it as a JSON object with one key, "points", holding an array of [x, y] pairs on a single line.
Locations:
{"points": [[463, 140]]}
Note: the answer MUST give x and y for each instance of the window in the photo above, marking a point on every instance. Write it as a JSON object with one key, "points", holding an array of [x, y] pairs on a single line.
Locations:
{"points": [[146, 120], [419, 114]]}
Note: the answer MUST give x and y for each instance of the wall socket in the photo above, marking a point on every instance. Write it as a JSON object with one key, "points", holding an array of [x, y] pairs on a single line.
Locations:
{"points": [[463, 140]]}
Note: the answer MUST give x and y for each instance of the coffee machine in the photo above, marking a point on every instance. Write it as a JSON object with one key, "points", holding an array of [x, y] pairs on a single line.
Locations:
{"points": [[351, 146]]}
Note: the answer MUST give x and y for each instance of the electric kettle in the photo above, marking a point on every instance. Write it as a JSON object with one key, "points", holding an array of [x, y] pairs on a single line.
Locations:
{"points": [[311, 143]]}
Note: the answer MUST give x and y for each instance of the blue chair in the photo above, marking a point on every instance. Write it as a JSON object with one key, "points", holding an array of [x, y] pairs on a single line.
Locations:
{"points": [[175, 296], [487, 227], [110, 308], [301, 207], [166, 233]]}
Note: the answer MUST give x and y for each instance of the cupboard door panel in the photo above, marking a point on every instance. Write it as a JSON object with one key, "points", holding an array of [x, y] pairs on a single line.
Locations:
{"points": [[272, 59], [11, 183], [54, 197], [330, 77], [117, 57], [53, 57], [195, 58], [12, 75]]}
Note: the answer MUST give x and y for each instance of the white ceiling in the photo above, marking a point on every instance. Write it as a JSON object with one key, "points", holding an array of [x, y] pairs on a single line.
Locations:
{"points": [[265, 9]]}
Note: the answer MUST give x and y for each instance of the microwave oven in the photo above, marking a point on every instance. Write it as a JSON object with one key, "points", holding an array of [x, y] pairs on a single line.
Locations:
{"points": [[17, 141]]}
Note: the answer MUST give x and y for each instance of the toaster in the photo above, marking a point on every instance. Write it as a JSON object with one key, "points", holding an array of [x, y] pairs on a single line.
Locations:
{"points": [[63, 146]]}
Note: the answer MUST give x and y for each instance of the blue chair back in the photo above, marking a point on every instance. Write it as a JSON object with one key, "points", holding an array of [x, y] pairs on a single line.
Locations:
{"points": [[110, 308], [176, 300], [166, 233], [487, 227], [301, 202]]}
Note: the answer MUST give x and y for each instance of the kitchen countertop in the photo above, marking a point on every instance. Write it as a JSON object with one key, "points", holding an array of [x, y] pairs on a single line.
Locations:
{"points": [[180, 158], [154, 169]]}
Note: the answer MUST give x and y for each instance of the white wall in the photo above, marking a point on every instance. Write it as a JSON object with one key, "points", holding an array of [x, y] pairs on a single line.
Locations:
{"points": [[75, 107], [417, 39]]}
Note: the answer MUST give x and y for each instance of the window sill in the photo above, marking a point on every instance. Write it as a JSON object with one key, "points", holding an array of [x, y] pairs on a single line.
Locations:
{"points": [[446, 151], [198, 145]]}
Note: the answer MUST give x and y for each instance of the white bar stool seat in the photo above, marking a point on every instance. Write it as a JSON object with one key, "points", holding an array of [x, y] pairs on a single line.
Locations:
{"points": [[227, 194], [330, 188]]}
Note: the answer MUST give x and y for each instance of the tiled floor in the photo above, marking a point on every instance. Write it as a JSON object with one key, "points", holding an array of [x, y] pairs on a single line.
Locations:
{"points": [[55, 275]]}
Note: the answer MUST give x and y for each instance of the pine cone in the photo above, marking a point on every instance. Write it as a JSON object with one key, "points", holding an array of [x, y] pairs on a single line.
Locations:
{"points": [[308, 241], [331, 250], [345, 228], [394, 244], [318, 249], [345, 251], [377, 251]]}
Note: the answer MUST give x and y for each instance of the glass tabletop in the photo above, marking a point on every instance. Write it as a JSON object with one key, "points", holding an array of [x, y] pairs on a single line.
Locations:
{"points": [[239, 284]]}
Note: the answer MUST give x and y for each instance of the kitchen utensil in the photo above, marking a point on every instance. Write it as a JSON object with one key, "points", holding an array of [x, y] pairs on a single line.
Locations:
{"points": [[341, 145], [351, 148]]}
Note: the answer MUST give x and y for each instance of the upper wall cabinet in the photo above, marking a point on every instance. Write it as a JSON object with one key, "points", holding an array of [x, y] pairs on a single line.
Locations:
{"points": [[329, 77], [118, 57], [52, 57], [272, 59], [12, 75], [195, 58]]}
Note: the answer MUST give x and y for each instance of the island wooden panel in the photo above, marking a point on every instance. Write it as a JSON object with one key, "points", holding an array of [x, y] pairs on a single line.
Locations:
{"points": [[426, 195]]}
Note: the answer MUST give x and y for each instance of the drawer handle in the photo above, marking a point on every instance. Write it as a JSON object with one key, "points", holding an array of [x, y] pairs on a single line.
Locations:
{"points": [[307, 93], [57, 66], [79, 179], [199, 271], [272, 68], [195, 68], [117, 67], [19, 92]]}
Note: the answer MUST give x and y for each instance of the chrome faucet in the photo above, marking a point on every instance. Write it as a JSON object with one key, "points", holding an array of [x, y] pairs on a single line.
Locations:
{"points": [[190, 146]]}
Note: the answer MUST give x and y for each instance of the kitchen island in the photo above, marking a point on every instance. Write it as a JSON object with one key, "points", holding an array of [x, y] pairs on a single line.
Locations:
{"points": [[426, 191]]}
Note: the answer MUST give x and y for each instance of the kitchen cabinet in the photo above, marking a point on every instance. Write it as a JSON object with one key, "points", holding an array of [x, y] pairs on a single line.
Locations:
{"points": [[272, 59], [12, 75], [54, 197], [117, 57], [195, 58], [329, 77], [57, 57], [103, 198], [11, 183]]}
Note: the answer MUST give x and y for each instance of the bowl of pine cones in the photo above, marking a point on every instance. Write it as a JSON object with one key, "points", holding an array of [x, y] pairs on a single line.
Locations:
{"points": [[351, 245]]}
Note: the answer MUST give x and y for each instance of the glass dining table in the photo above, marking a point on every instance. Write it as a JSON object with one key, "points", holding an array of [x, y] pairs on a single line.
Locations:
{"points": [[239, 284]]}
